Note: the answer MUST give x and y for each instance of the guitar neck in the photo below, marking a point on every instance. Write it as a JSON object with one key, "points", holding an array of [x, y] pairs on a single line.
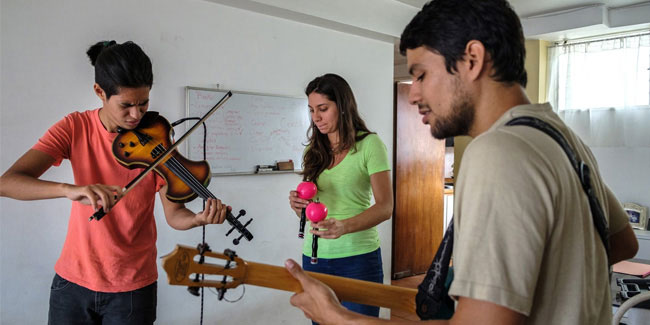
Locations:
{"points": [[181, 264], [346, 289]]}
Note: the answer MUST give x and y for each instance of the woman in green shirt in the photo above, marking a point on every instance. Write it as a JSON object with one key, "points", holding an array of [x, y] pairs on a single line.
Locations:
{"points": [[349, 164]]}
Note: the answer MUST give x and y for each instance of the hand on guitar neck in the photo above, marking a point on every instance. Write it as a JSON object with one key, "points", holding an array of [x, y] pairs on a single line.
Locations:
{"points": [[180, 266]]}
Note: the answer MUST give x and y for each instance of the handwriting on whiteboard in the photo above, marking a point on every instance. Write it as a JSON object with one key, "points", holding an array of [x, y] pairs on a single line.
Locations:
{"points": [[249, 130]]}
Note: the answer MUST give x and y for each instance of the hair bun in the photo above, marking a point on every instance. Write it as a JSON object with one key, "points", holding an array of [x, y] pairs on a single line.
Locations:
{"points": [[94, 51]]}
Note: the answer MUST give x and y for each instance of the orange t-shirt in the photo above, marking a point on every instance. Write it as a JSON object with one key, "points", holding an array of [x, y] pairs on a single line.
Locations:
{"points": [[118, 252]]}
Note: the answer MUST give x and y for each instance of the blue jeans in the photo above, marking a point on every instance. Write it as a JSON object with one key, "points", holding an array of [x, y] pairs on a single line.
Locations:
{"points": [[73, 304], [367, 267]]}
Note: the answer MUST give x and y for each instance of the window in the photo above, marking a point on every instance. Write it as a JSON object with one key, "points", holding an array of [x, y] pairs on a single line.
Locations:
{"points": [[602, 87], [610, 73]]}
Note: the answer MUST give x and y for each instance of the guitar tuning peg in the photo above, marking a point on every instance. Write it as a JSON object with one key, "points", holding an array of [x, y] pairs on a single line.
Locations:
{"points": [[221, 292], [203, 248], [194, 291], [230, 253]]}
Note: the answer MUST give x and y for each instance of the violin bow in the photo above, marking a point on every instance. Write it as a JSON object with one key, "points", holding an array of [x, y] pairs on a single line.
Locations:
{"points": [[180, 265], [100, 213]]}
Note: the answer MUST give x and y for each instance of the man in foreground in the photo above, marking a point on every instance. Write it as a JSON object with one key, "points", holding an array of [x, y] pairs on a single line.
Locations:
{"points": [[526, 249]]}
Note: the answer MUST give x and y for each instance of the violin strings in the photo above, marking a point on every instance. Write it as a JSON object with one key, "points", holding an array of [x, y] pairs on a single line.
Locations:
{"points": [[187, 175], [177, 168], [191, 181], [174, 168], [182, 172]]}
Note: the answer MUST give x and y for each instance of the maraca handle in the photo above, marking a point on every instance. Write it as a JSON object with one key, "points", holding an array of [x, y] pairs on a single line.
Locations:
{"points": [[303, 221], [314, 249]]}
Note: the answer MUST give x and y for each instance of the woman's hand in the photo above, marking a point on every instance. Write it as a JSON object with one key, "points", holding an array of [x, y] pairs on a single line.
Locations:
{"points": [[296, 203], [96, 195], [334, 228], [215, 212]]}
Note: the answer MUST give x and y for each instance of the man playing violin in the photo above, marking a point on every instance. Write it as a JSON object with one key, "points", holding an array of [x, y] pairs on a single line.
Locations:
{"points": [[106, 273]]}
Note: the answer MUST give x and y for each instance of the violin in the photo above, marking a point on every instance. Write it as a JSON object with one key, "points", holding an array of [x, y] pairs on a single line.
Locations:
{"points": [[140, 147], [149, 146]]}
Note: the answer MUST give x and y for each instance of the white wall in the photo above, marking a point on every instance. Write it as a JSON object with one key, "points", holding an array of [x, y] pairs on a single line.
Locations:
{"points": [[626, 171], [46, 74]]}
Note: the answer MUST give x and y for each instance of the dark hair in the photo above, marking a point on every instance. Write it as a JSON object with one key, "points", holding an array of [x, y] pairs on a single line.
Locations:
{"points": [[120, 65], [446, 26], [319, 154]]}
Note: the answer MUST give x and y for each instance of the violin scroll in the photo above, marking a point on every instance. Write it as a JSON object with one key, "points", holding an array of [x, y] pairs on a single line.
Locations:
{"points": [[234, 222]]}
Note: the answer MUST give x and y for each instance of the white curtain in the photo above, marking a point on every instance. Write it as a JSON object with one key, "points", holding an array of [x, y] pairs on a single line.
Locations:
{"points": [[601, 89]]}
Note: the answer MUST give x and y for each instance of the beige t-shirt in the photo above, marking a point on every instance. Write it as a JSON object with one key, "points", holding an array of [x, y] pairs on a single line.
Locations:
{"points": [[524, 235]]}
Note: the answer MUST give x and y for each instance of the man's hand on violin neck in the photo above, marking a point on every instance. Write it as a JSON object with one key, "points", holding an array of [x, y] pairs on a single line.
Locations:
{"points": [[97, 195], [215, 212]]}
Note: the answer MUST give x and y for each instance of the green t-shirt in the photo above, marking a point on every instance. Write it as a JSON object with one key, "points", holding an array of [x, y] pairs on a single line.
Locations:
{"points": [[346, 191]]}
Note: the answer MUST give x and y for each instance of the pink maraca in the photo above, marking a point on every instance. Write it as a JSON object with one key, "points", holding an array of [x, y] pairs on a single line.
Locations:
{"points": [[316, 211], [306, 190]]}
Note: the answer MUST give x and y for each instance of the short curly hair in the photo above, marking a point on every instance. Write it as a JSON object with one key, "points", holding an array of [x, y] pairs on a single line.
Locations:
{"points": [[446, 26]]}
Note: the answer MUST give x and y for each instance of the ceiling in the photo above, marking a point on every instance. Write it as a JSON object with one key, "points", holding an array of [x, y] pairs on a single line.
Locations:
{"points": [[555, 20], [384, 20], [527, 8]]}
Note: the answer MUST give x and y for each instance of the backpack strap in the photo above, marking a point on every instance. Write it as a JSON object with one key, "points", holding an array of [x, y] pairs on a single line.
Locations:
{"points": [[581, 169], [432, 300]]}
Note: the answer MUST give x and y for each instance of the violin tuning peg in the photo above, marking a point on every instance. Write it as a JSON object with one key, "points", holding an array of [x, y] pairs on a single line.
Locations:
{"points": [[248, 223]]}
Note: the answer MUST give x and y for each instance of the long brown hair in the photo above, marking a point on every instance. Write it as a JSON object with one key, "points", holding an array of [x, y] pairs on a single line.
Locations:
{"points": [[319, 153]]}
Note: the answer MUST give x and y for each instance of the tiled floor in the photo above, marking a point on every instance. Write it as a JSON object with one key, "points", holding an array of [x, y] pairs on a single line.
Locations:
{"points": [[410, 282]]}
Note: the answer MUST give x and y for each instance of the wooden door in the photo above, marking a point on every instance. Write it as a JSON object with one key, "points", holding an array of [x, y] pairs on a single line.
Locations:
{"points": [[419, 186]]}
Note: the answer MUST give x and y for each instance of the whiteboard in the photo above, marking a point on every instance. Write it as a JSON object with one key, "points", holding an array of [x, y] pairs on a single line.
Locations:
{"points": [[250, 129]]}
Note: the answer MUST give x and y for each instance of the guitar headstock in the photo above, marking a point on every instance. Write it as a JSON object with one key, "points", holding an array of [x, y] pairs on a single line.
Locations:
{"points": [[181, 264]]}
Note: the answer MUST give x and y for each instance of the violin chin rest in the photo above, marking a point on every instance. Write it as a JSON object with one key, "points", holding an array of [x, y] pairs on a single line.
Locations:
{"points": [[148, 118]]}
